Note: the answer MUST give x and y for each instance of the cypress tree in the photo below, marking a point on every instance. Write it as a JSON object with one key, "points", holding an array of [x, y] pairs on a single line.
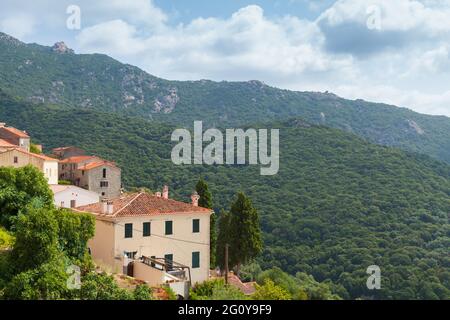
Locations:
{"points": [[244, 232]]}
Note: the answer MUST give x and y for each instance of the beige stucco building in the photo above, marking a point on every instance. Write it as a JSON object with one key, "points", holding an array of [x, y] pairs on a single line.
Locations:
{"points": [[18, 157], [13, 136], [142, 229]]}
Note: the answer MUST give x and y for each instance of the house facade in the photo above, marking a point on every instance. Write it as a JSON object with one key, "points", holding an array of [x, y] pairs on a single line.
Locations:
{"points": [[67, 152], [92, 173], [68, 196], [15, 137], [18, 157], [139, 227]]}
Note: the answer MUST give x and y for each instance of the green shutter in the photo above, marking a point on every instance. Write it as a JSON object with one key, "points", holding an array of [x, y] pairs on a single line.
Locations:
{"points": [[146, 229], [169, 261], [128, 230], [196, 225], [169, 227], [196, 259]]}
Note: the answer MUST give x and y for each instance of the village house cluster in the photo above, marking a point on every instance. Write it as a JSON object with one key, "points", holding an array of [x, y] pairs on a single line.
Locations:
{"points": [[148, 236]]}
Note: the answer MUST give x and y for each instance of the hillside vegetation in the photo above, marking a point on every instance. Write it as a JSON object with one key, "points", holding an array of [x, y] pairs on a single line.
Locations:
{"points": [[97, 82], [338, 204]]}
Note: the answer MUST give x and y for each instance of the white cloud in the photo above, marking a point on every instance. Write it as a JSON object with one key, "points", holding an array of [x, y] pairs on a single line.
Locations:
{"points": [[19, 25], [406, 62]]}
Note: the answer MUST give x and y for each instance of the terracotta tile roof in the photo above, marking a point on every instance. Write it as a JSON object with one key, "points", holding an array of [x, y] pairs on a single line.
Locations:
{"points": [[6, 144], [58, 187], [246, 288], [78, 159], [144, 204], [16, 132], [40, 156], [92, 165], [61, 148]]}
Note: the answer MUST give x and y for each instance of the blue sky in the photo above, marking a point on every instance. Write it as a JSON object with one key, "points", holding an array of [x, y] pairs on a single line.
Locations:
{"points": [[396, 52], [185, 11]]}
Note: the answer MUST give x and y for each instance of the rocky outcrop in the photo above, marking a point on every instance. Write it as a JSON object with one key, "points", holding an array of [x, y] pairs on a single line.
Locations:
{"points": [[414, 126], [61, 47], [167, 103]]}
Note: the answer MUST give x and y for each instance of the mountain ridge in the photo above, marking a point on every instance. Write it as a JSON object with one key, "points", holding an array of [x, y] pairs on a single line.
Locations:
{"points": [[96, 81], [337, 205]]}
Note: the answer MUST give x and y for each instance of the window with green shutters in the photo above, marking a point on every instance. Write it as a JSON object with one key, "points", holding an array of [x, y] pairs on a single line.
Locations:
{"points": [[169, 227], [128, 230], [146, 229], [196, 225], [196, 259], [169, 261]]}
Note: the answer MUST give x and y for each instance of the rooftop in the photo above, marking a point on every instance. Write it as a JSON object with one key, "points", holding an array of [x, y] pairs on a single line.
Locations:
{"points": [[92, 165], [6, 144], [58, 187], [78, 159], [16, 132], [144, 204], [40, 156]]}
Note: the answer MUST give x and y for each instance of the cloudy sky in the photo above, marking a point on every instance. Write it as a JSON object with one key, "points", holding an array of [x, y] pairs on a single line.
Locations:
{"points": [[394, 51]]}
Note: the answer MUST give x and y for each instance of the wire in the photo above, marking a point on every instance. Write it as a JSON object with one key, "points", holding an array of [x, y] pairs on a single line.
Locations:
{"points": [[165, 237]]}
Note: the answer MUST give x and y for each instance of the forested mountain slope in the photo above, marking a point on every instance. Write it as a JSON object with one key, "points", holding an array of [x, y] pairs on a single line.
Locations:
{"points": [[97, 82], [337, 205]]}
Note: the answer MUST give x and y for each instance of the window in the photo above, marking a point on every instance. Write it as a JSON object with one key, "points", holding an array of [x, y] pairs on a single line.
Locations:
{"points": [[128, 230], [62, 204], [16, 160], [104, 173], [103, 194], [73, 203], [169, 227], [146, 229], [169, 261], [82, 172], [152, 263], [196, 225], [196, 259], [131, 255], [104, 184]]}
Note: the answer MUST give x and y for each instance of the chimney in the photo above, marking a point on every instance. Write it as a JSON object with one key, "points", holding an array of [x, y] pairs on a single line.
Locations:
{"points": [[104, 207], [194, 198], [110, 207], [165, 193], [158, 194]]}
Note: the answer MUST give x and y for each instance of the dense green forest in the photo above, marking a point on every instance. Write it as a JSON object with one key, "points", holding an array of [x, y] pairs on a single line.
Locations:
{"points": [[337, 205], [97, 82]]}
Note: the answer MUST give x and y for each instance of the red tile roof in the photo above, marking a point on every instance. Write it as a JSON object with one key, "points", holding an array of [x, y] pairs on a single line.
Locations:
{"points": [[92, 165], [16, 132], [246, 288], [78, 159], [6, 144], [61, 148], [144, 204], [40, 156]]}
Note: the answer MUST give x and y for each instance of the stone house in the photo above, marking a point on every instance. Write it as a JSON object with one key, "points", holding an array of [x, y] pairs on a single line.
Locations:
{"points": [[13, 136], [92, 173]]}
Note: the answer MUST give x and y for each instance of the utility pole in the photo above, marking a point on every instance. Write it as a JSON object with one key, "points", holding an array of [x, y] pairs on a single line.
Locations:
{"points": [[226, 263]]}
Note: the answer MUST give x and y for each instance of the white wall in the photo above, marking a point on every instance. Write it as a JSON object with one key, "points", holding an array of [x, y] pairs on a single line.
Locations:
{"points": [[81, 196], [50, 170]]}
